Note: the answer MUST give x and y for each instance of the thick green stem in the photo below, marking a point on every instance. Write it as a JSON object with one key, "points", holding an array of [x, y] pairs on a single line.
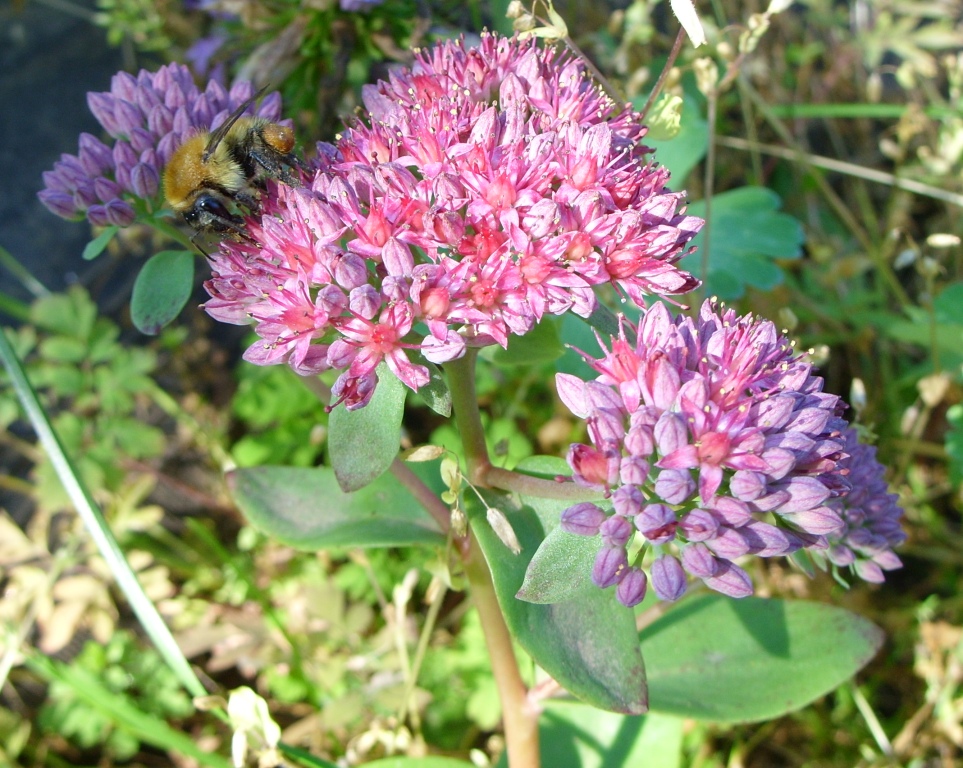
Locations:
{"points": [[519, 714], [464, 405], [562, 489]]}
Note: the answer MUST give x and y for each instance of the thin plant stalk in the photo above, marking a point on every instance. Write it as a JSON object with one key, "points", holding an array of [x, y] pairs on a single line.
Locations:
{"points": [[96, 525]]}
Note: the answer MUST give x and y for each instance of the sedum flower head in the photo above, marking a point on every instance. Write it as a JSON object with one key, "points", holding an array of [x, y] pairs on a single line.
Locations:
{"points": [[146, 117], [871, 517], [358, 6], [490, 187], [713, 440]]}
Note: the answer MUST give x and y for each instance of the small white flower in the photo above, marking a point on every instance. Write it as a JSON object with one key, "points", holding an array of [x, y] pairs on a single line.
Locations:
{"points": [[253, 727]]}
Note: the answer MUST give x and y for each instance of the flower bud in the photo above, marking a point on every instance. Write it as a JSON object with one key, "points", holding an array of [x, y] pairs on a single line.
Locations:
{"points": [[668, 578], [97, 215], [657, 522], [631, 590], [120, 213], [699, 561], [730, 580], [610, 565], [105, 189], [627, 500], [674, 485], [94, 155], [583, 519], [699, 525], [59, 203], [616, 531], [144, 181]]}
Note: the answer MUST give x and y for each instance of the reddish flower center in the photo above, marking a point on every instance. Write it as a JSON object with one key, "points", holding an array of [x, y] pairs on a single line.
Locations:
{"points": [[713, 447], [500, 193], [483, 293]]}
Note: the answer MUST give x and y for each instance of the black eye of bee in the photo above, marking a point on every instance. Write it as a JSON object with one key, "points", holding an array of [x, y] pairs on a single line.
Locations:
{"points": [[208, 212]]}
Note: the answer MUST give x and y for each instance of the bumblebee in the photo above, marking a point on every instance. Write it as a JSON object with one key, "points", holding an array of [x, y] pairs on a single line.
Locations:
{"points": [[211, 174]]}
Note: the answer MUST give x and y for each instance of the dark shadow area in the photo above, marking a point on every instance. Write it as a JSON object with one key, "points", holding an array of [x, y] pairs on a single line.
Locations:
{"points": [[50, 56]]}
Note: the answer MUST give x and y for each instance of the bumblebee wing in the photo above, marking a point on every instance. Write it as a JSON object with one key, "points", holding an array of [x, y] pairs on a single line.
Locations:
{"points": [[217, 135]]}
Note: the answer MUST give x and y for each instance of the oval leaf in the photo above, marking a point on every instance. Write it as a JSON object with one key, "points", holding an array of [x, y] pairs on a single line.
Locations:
{"points": [[714, 658], [574, 734], [161, 290], [588, 644], [363, 443], [95, 247], [305, 508], [560, 568]]}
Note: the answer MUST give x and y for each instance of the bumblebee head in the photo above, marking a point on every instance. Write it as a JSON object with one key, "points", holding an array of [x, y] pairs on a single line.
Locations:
{"points": [[208, 212]]}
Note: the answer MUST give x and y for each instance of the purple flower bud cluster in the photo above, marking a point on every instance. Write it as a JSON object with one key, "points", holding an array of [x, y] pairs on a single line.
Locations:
{"points": [[871, 517], [358, 6], [712, 441], [146, 117], [493, 186]]}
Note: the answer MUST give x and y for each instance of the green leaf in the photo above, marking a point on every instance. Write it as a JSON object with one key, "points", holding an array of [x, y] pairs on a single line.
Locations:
{"points": [[539, 345], [63, 349], [161, 290], [306, 508], [304, 757], [419, 762], [120, 711], [72, 313], [577, 334], [746, 235], [435, 394], [95, 247], [94, 521], [604, 320], [362, 443], [945, 338], [715, 658], [588, 644], [548, 468], [949, 304], [560, 568], [577, 735], [133, 437]]}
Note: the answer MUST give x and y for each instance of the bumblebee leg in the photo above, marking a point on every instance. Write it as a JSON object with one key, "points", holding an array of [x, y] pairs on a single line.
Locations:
{"points": [[277, 165]]}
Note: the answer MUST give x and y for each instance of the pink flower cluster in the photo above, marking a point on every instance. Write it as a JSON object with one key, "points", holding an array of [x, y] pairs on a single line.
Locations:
{"points": [[491, 187], [713, 441]]}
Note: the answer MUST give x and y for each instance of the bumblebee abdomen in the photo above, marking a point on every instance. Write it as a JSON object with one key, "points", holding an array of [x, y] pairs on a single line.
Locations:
{"points": [[278, 137]]}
